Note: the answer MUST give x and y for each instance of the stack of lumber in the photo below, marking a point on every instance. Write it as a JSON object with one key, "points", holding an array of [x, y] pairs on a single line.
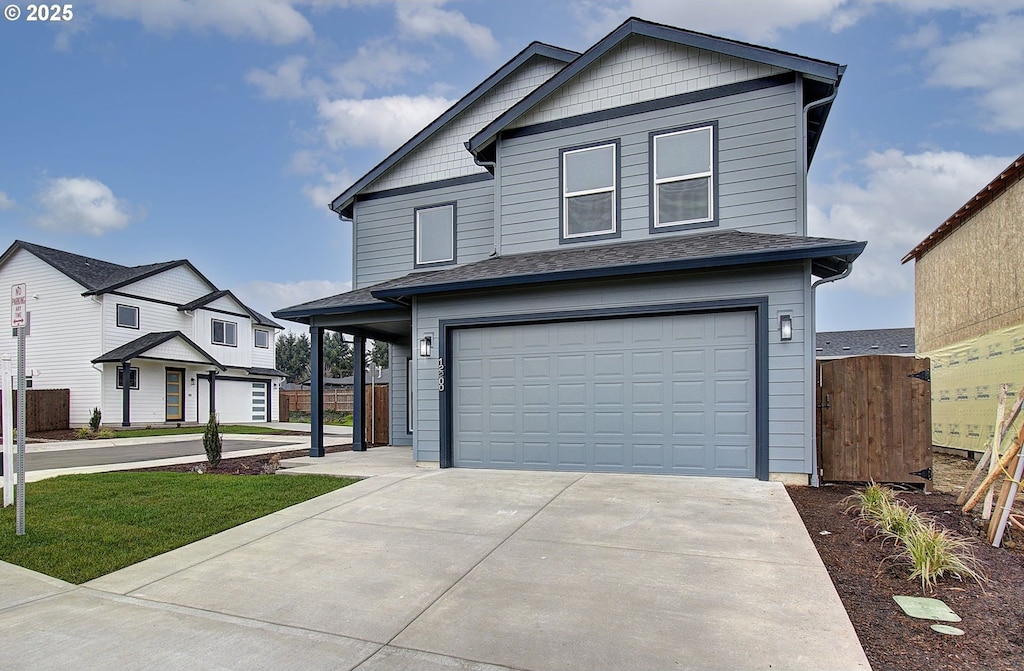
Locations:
{"points": [[997, 466]]}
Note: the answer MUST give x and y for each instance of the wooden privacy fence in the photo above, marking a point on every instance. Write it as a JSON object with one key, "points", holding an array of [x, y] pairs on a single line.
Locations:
{"points": [[45, 410], [340, 400], [874, 419]]}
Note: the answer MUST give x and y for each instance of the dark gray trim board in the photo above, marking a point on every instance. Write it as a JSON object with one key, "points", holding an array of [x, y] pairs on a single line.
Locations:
{"points": [[650, 105], [757, 304], [342, 204], [426, 186]]}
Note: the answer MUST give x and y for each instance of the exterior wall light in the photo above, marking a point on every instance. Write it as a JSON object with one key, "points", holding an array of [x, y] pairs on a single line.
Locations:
{"points": [[425, 343], [785, 327]]}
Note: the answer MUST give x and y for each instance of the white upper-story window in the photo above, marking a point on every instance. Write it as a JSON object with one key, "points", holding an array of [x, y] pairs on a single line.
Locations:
{"points": [[590, 191], [684, 177], [224, 333], [261, 338], [127, 316], [435, 234]]}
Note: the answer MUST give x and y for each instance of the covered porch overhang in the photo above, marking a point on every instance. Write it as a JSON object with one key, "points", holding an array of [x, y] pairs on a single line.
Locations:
{"points": [[357, 314]]}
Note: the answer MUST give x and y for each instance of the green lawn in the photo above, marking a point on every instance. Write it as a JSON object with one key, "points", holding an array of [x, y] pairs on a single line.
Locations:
{"points": [[174, 431], [79, 527]]}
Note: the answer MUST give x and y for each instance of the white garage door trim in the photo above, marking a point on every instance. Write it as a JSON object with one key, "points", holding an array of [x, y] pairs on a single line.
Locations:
{"points": [[757, 305]]}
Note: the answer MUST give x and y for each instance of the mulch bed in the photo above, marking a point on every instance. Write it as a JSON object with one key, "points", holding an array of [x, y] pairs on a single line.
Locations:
{"points": [[255, 465], [867, 579]]}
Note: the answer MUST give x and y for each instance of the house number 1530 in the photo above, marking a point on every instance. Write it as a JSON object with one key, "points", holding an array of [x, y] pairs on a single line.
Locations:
{"points": [[440, 374]]}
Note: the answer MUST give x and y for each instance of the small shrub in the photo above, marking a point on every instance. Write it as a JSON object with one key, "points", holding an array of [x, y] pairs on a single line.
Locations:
{"points": [[83, 433], [934, 552], [212, 441], [105, 433], [272, 465], [95, 419], [870, 501], [896, 520]]}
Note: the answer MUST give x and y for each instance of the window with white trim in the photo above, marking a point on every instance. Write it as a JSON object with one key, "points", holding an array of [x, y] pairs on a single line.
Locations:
{"points": [[261, 339], [133, 378], [684, 178], [589, 182], [127, 316], [224, 333], [435, 234]]}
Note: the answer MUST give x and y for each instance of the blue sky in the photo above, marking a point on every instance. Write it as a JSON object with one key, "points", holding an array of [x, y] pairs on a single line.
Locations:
{"points": [[218, 130]]}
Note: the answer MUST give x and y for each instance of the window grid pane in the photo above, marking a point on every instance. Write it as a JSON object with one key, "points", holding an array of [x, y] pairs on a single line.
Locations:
{"points": [[684, 177], [588, 191]]}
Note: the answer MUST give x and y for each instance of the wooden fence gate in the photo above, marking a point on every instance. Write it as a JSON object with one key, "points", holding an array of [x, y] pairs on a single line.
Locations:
{"points": [[874, 419]]}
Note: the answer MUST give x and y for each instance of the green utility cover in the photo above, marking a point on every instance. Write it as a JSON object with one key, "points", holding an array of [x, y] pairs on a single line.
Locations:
{"points": [[926, 609], [946, 629]]}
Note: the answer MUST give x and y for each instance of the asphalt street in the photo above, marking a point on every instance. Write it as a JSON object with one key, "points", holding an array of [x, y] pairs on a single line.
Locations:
{"points": [[123, 454]]}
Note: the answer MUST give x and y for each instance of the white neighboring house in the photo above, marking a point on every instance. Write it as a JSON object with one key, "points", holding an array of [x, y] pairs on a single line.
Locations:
{"points": [[180, 339]]}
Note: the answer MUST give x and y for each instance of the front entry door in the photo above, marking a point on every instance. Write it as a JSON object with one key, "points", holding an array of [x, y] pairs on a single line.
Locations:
{"points": [[174, 395]]}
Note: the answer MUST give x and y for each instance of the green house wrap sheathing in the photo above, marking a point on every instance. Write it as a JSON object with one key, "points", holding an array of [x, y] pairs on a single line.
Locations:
{"points": [[966, 378]]}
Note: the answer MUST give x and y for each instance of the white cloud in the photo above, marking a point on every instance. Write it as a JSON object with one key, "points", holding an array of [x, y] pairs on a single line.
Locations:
{"points": [[6, 202], [902, 199], [286, 81], [271, 21], [265, 297], [382, 122], [989, 60], [375, 65], [425, 21], [81, 205], [331, 184]]}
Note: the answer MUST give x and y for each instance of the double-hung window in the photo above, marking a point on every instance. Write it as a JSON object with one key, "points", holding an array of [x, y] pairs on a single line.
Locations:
{"points": [[224, 333], [435, 234], [590, 177], [261, 338], [684, 177]]}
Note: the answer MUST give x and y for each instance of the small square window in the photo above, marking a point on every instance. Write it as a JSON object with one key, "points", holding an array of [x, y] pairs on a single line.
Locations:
{"points": [[262, 339], [589, 191], [684, 177], [127, 316], [224, 333], [435, 234], [133, 378]]}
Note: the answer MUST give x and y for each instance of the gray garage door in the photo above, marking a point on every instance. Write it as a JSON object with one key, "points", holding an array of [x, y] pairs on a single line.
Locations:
{"points": [[667, 394]]}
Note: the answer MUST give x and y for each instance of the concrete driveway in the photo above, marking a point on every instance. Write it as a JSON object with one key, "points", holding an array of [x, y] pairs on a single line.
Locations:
{"points": [[462, 569]]}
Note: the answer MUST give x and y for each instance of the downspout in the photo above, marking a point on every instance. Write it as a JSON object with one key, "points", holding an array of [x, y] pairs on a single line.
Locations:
{"points": [[812, 344], [492, 167]]}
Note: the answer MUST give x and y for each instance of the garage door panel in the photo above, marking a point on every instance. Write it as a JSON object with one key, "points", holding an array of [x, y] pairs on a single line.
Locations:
{"points": [[665, 394]]}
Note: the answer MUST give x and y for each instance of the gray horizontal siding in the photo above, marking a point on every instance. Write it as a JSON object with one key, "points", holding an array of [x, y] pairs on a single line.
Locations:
{"points": [[789, 363], [383, 230], [757, 168]]}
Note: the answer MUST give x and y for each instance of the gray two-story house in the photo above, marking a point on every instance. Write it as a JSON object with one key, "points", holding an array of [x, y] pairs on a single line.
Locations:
{"points": [[599, 262]]}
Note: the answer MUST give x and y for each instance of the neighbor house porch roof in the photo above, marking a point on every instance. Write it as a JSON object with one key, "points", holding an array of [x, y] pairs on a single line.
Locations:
{"points": [[138, 348]]}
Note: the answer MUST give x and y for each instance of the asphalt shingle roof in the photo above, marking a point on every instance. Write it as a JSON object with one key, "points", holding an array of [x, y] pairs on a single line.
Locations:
{"points": [[669, 253], [352, 301], [93, 274], [868, 341]]}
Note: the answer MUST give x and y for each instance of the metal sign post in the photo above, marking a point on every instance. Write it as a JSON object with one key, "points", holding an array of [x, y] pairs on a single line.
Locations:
{"points": [[19, 511], [19, 302], [7, 392]]}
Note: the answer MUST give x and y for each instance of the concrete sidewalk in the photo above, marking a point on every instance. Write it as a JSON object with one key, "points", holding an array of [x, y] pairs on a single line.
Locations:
{"points": [[462, 569]]}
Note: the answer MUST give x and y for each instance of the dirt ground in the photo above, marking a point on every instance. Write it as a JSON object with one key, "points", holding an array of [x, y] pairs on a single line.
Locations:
{"points": [[867, 577]]}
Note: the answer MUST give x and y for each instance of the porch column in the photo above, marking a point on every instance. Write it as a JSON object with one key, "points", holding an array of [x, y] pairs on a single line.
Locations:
{"points": [[359, 394], [316, 391], [126, 389], [213, 393]]}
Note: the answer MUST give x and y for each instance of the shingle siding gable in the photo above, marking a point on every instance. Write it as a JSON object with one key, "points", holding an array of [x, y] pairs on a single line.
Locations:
{"points": [[640, 69], [444, 156]]}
